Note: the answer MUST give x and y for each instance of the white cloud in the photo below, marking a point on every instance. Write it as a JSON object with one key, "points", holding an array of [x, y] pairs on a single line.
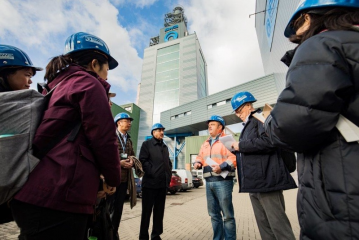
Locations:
{"points": [[137, 3], [228, 40], [144, 3], [42, 27], [225, 32]]}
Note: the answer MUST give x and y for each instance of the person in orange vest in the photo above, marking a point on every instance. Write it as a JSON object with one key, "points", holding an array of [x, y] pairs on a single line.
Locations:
{"points": [[219, 166]]}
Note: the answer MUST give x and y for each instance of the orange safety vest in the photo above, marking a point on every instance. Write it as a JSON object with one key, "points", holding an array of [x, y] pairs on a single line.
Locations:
{"points": [[217, 152]]}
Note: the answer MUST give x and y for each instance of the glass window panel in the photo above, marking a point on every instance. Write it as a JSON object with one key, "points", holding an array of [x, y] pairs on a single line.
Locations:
{"points": [[204, 92], [161, 97], [167, 57], [168, 65], [167, 75], [167, 85], [169, 49], [221, 103]]}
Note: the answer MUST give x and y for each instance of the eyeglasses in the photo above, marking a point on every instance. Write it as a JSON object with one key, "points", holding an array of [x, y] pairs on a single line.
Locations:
{"points": [[239, 110]]}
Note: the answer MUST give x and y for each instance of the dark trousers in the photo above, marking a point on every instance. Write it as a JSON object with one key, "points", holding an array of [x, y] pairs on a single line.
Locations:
{"points": [[39, 223], [269, 210], [152, 199], [118, 200], [5, 214]]}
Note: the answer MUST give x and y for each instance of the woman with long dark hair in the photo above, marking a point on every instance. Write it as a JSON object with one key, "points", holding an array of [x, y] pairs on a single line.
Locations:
{"points": [[76, 141], [322, 84]]}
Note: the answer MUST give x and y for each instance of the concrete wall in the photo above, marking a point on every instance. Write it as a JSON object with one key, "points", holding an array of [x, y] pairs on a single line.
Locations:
{"points": [[264, 89]]}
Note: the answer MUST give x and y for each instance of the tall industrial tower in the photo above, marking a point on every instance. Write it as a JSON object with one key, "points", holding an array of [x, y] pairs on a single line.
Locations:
{"points": [[174, 72]]}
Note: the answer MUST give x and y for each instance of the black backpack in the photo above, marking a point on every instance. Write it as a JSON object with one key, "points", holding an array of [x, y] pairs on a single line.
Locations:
{"points": [[289, 159]]}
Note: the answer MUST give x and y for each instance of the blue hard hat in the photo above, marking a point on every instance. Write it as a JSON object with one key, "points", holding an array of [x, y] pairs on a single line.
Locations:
{"points": [[157, 126], [84, 41], [217, 119], [14, 57], [122, 115], [315, 4], [241, 98]]}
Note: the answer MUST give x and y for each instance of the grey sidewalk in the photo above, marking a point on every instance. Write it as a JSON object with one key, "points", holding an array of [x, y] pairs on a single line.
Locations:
{"points": [[186, 217]]}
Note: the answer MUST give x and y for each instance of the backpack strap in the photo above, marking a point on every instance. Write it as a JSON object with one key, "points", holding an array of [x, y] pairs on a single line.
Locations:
{"points": [[42, 86], [74, 132]]}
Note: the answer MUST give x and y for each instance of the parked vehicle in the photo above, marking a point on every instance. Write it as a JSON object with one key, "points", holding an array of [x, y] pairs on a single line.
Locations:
{"points": [[186, 177], [138, 183], [198, 173], [197, 182], [175, 184]]}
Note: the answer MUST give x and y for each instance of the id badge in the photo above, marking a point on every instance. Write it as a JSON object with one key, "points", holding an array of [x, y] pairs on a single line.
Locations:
{"points": [[123, 155]]}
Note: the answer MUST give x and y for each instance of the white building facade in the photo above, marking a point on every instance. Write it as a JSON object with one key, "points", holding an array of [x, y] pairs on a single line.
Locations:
{"points": [[174, 72], [271, 19]]}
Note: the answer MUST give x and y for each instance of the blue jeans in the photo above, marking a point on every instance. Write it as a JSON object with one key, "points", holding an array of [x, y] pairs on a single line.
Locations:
{"points": [[220, 208]]}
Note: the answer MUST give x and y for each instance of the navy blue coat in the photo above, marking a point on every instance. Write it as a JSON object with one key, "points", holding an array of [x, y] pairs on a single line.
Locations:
{"points": [[260, 166]]}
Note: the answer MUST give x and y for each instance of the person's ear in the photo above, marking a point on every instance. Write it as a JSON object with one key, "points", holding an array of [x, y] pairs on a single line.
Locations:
{"points": [[94, 63]]}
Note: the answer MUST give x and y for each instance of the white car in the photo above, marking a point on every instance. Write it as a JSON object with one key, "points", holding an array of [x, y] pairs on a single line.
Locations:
{"points": [[186, 177]]}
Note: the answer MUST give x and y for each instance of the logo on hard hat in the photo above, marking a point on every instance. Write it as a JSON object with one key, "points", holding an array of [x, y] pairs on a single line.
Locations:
{"points": [[94, 40], [7, 56], [241, 98]]}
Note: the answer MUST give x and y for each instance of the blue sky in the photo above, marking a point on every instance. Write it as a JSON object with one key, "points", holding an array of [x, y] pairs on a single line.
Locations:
{"points": [[226, 34]]}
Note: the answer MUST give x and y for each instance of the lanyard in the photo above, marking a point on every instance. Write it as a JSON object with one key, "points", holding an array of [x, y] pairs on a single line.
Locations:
{"points": [[123, 144]]}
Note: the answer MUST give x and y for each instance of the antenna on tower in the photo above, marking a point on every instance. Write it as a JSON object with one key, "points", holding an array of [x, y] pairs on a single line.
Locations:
{"points": [[176, 16]]}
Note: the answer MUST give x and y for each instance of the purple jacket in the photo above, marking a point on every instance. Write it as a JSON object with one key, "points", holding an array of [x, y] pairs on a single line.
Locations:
{"points": [[67, 178]]}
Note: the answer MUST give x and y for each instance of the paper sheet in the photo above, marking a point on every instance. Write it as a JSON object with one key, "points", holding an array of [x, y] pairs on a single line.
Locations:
{"points": [[227, 141], [211, 162], [264, 114], [266, 110], [348, 129], [259, 117]]}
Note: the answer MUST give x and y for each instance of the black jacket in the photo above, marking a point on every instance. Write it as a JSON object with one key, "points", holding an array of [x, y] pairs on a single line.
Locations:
{"points": [[260, 166], [322, 82], [156, 164]]}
